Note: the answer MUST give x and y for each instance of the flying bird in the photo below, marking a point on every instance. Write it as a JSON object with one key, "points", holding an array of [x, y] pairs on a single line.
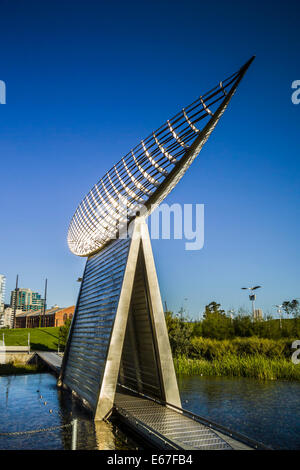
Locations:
{"points": [[251, 288]]}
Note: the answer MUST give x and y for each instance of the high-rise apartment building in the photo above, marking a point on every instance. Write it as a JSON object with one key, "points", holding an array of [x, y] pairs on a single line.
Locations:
{"points": [[25, 299]]}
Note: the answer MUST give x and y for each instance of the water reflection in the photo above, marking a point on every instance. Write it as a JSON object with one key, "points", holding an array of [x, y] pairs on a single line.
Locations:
{"points": [[29, 402], [267, 411]]}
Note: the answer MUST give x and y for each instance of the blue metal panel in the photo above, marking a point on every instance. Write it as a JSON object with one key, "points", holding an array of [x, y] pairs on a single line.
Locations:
{"points": [[94, 319]]}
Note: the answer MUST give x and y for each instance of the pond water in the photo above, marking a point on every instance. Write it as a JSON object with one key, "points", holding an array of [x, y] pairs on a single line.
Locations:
{"points": [[29, 402], [268, 412]]}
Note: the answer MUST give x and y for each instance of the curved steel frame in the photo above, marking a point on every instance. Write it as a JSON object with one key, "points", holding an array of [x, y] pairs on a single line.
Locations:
{"points": [[145, 176]]}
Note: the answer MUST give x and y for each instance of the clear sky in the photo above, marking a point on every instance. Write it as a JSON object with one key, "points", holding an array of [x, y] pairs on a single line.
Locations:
{"points": [[87, 79]]}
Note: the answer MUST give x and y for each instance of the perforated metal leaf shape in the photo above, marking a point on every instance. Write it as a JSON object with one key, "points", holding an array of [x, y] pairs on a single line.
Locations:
{"points": [[145, 175]]}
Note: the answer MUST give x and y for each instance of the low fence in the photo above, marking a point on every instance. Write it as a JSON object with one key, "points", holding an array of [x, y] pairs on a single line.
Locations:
{"points": [[25, 343], [14, 348], [73, 424]]}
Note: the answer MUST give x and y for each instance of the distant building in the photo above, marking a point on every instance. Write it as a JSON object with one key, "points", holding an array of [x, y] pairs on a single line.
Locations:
{"points": [[55, 316], [2, 294], [258, 314], [25, 300], [2, 291], [6, 317]]}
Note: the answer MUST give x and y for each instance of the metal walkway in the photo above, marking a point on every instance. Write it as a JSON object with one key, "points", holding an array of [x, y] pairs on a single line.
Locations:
{"points": [[171, 429], [165, 427], [52, 359]]}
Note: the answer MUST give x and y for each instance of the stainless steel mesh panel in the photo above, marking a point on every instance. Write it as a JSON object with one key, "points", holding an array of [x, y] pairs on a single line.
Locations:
{"points": [[93, 321], [138, 368]]}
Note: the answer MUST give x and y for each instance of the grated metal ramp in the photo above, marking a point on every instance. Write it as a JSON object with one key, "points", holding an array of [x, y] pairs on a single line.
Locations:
{"points": [[172, 428]]}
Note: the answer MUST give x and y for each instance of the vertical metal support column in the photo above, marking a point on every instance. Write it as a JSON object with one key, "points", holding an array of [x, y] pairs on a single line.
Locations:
{"points": [[74, 433]]}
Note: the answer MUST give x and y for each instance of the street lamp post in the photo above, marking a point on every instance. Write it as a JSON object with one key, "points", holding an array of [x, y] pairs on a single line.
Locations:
{"points": [[13, 323], [252, 296], [231, 312], [279, 311], [44, 303]]}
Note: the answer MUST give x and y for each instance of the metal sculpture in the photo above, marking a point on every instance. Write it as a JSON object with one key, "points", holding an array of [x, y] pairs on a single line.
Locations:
{"points": [[118, 333]]}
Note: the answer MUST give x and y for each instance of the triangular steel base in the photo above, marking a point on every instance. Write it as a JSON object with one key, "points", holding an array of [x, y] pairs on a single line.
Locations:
{"points": [[119, 333]]}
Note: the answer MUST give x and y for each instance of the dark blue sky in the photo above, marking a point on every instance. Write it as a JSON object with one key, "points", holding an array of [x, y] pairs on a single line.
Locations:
{"points": [[87, 79]]}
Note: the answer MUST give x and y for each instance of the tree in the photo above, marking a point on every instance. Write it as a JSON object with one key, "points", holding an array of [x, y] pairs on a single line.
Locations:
{"points": [[213, 307], [64, 332], [180, 332], [216, 323], [292, 307]]}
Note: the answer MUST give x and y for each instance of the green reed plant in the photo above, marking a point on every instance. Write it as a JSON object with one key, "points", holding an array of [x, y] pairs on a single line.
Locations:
{"points": [[254, 366]]}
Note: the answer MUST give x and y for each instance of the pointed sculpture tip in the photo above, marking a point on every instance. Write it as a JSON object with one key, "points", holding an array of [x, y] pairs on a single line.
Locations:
{"points": [[247, 64]]}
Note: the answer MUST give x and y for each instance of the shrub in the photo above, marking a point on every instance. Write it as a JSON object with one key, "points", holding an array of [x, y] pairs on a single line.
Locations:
{"points": [[180, 332], [211, 349], [64, 332]]}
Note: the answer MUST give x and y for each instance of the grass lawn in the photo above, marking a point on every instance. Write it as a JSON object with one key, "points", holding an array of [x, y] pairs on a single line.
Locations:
{"points": [[41, 339]]}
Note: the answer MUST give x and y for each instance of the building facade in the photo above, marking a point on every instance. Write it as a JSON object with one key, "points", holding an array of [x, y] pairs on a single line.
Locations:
{"points": [[26, 300], [55, 316], [2, 291], [2, 294], [258, 314], [6, 317]]}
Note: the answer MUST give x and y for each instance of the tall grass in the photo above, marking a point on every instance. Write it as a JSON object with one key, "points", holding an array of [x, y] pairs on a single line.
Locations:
{"points": [[258, 367], [210, 349]]}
